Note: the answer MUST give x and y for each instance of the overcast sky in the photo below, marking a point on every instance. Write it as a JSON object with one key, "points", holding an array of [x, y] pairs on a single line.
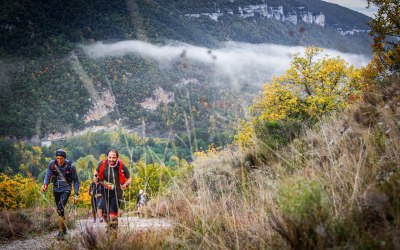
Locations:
{"points": [[357, 5]]}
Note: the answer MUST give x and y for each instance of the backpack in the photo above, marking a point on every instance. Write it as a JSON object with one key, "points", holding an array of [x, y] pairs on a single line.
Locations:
{"points": [[121, 174], [66, 172]]}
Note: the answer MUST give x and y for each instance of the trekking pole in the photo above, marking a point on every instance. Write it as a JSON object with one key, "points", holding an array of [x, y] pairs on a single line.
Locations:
{"points": [[43, 212]]}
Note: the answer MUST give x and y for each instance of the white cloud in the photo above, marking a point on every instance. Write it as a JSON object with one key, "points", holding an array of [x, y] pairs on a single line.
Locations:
{"points": [[241, 62]]}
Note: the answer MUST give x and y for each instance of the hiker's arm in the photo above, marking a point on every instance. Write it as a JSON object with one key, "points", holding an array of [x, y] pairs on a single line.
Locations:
{"points": [[128, 178], [127, 183]]}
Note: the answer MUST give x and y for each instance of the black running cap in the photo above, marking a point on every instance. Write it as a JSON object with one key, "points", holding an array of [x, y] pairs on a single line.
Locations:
{"points": [[61, 153]]}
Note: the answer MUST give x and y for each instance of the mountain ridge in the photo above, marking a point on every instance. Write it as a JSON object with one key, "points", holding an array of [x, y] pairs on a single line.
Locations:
{"points": [[42, 28]]}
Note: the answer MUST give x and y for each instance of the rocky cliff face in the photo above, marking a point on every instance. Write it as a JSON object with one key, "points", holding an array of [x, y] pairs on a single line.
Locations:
{"points": [[286, 22], [267, 12]]}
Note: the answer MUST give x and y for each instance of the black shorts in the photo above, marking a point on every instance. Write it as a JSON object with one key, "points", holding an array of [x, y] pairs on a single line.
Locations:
{"points": [[100, 203], [111, 202], [61, 199], [97, 203]]}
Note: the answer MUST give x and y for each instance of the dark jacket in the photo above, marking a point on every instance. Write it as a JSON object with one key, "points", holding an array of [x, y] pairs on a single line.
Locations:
{"points": [[60, 184]]}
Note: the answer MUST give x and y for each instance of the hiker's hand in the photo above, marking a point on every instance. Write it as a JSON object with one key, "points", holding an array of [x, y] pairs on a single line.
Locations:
{"points": [[123, 187], [75, 199], [44, 188]]}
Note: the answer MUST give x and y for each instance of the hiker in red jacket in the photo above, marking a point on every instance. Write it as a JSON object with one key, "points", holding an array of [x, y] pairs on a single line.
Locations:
{"points": [[115, 178]]}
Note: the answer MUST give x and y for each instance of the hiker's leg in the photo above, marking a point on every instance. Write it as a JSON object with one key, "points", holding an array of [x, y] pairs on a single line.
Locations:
{"points": [[105, 205], [61, 223], [113, 210], [100, 212], [62, 201], [60, 210], [113, 222], [100, 206], [57, 196], [113, 225], [94, 207]]}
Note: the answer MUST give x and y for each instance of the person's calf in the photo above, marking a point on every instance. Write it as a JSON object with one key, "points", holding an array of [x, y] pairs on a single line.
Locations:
{"points": [[61, 223], [113, 222], [100, 212]]}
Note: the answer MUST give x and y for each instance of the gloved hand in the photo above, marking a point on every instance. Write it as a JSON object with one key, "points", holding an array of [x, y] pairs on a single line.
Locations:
{"points": [[44, 188], [75, 199]]}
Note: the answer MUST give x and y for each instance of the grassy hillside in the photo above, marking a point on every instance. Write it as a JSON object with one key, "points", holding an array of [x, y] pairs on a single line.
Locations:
{"points": [[336, 186]]}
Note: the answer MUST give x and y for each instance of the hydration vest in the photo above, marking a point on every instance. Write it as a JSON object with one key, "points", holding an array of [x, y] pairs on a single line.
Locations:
{"points": [[121, 174], [66, 172]]}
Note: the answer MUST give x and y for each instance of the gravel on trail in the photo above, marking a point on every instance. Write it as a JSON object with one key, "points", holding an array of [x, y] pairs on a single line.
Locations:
{"points": [[48, 241]]}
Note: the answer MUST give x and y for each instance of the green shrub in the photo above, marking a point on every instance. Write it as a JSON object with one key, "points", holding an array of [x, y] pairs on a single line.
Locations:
{"points": [[278, 133], [304, 208], [303, 201], [378, 140]]}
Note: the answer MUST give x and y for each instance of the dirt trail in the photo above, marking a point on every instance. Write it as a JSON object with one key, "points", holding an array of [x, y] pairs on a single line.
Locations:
{"points": [[126, 223]]}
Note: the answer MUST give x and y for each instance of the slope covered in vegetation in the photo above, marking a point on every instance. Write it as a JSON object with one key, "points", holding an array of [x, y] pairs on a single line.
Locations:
{"points": [[330, 182], [334, 186]]}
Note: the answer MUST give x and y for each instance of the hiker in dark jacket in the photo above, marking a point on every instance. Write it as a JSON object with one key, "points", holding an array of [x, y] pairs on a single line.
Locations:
{"points": [[96, 192], [62, 173]]}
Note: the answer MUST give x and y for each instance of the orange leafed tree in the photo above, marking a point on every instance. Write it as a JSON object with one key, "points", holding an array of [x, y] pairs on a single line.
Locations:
{"points": [[311, 87]]}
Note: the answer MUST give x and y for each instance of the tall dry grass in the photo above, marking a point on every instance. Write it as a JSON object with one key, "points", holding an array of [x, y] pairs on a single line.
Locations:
{"points": [[336, 186]]}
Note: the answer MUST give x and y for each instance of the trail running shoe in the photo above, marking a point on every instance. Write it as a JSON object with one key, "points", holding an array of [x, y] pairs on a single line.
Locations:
{"points": [[61, 235], [100, 219], [94, 220]]}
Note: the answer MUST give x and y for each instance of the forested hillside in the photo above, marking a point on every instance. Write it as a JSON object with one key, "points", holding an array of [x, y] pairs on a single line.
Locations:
{"points": [[40, 56]]}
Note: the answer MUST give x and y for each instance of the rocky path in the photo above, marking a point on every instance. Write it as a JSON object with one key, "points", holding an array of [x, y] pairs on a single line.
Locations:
{"points": [[48, 241]]}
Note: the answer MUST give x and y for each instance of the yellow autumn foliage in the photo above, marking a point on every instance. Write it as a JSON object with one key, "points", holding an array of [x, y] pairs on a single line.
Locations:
{"points": [[84, 197], [18, 192], [311, 87], [244, 137], [212, 151]]}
